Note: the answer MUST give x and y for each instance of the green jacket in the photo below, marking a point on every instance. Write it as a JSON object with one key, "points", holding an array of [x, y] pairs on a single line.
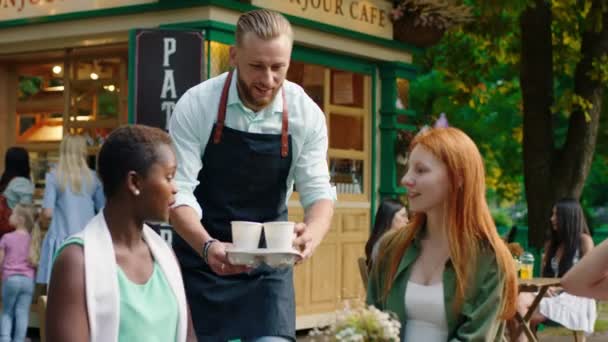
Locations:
{"points": [[478, 317]]}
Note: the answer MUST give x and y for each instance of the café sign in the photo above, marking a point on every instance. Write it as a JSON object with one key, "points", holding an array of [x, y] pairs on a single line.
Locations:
{"points": [[365, 16], [21, 9]]}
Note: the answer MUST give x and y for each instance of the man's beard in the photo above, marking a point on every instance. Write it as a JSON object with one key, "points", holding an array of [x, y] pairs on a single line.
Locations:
{"points": [[247, 97]]}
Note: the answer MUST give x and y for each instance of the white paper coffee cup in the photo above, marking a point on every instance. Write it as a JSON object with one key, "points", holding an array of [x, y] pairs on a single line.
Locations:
{"points": [[246, 235], [279, 235]]}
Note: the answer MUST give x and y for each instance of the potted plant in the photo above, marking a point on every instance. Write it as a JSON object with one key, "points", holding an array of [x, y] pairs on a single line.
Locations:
{"points": [[423, 22]]}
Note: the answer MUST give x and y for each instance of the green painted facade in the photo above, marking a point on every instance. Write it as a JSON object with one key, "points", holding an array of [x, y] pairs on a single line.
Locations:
{"points": [[390, 126]]}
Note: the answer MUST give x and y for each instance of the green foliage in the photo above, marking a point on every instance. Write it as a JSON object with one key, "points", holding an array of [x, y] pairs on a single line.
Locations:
{"points": [[107, 104], [29, 86], [599, 70], [502, 218], [595, 192], [473, 76]]}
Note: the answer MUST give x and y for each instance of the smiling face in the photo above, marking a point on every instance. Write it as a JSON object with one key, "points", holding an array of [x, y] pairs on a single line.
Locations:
{"points": [[158, 187], [262, 66], [426, 180]]}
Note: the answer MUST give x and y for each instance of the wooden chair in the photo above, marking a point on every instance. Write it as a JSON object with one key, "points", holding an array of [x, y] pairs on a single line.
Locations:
{"points": [[42, 317], [363, 271]]}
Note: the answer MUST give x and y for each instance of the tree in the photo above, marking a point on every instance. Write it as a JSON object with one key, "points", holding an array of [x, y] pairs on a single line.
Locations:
{"points": [[553, 171], [553, 55]]}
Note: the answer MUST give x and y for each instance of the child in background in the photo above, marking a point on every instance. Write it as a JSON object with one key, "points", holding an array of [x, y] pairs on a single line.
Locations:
{"points": [[19, 255]]}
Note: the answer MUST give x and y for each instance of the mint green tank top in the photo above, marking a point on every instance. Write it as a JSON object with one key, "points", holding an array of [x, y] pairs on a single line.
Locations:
{"points": [[148, 312]]}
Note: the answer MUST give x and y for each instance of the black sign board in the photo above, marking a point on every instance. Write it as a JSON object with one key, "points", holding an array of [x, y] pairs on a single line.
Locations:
{"points": [[167, 64]]}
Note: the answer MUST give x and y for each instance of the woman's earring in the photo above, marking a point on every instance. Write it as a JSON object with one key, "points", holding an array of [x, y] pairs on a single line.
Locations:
{"points": [[136, 192]]}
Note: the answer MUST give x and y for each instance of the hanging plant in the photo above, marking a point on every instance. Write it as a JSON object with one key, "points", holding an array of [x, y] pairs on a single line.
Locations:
{"points": [[423, 22]]}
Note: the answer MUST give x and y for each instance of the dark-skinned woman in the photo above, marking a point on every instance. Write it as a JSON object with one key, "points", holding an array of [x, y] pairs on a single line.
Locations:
{"points": [[117, 280]]}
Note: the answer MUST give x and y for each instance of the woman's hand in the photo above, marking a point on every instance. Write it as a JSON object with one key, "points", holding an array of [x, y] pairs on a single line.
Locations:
{"points": [[554, 291]]}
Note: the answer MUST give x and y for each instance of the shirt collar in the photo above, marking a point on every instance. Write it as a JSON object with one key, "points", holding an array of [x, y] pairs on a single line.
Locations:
{"points": [[233, 97]]}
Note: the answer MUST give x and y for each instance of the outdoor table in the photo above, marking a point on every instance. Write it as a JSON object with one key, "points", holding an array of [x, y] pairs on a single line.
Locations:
{"points": [[540, 286]]}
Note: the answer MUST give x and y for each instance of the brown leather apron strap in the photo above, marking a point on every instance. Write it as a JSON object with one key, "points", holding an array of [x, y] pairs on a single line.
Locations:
{"points": [[284, 128], [221, 112]]}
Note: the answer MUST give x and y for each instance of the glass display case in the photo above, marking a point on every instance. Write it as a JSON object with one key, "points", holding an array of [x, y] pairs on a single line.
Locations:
{"points": [[347, 175]]}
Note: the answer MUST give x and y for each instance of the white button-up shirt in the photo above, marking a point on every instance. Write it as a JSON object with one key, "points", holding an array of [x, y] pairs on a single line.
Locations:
{"points": [[196, 112]]}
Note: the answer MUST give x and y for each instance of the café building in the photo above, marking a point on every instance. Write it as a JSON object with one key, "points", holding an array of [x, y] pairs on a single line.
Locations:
{"points": [[86, 66]]}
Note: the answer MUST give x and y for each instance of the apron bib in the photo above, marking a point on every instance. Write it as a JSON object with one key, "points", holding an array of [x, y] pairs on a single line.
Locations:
{"points": [[244, 178]]}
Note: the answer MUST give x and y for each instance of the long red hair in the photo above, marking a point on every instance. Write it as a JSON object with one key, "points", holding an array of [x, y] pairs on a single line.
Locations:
{"points": [[469, 223]]}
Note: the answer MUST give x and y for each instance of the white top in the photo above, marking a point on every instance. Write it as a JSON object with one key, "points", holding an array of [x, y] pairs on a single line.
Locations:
{"points": [[196, 112], [425, 311]]}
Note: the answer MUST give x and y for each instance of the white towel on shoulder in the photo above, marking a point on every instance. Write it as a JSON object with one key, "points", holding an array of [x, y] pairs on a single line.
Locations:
{"points": [[101, 279]]}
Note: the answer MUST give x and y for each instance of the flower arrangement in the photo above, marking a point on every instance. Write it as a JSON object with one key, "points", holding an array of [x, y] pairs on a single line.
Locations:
{"points": [[364, 324], [440, 14]]}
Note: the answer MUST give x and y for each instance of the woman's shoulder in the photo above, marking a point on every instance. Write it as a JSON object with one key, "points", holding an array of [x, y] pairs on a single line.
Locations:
{"points": [[69, 269], [70, 256], [21, 185], [68, 244], [586, 243], [586, 238], [20, 181]]}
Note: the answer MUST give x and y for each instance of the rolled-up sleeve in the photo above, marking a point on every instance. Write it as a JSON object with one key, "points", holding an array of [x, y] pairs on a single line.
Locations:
{"points": [[311, 171], [183, 131]]}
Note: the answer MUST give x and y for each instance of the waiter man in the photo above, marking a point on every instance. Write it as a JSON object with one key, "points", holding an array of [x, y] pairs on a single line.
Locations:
{"points": [[243, 139]]}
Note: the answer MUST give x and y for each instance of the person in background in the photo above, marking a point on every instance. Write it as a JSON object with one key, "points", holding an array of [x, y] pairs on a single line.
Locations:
{"points": [[589, 277], [15, 183], [72, 196], [570, 242], [449, 276], [19, 253], [118, 280], [391, 214]]}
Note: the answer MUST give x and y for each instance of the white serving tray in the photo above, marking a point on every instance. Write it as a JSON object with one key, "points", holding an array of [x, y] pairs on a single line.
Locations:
{"points": [[270, 257]]}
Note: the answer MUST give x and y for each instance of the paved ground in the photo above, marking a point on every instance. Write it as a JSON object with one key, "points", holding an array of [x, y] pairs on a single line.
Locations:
{"points": [[548, 335]]}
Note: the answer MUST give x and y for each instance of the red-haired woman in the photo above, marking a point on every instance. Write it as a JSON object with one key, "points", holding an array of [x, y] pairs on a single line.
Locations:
{"points": [[449, 276]]}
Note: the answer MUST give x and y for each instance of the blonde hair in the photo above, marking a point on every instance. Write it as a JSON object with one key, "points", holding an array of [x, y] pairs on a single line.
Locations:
{"points": [[72, 166], [28, 214], [264, 23], [470, 225]]}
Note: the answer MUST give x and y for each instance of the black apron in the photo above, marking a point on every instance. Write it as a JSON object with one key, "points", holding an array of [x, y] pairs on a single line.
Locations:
{"points": [[244, 178]]}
